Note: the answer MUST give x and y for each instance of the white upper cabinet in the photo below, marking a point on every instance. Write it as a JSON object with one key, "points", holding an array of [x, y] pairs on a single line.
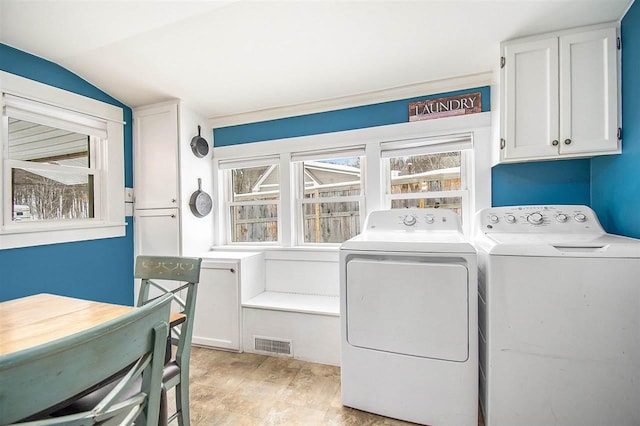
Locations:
{"points": [[589, 92], [155, 157], [560, 96], [530, 112]]}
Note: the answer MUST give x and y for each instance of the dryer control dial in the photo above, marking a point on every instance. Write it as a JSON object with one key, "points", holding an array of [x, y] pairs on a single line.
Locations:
{"points": [[580, 217], [409, 220], [535, 218], [561, 217], [430, 219], [494, 218], [510, 218]]}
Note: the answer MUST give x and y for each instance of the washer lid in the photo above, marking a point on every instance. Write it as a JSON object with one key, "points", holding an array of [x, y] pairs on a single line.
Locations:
{"points": [[559, 245], [549, 231]]}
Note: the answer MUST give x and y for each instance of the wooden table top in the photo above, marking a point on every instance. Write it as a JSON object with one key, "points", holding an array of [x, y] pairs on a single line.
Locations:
{"points": [[34, 320]]}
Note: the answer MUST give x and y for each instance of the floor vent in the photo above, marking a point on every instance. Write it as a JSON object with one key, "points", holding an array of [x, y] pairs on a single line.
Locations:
{"points": [[271, 346]]}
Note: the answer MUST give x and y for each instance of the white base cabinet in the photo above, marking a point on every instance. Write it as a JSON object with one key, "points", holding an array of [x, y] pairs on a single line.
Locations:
{"points": [[224, 277], [560, 95]]}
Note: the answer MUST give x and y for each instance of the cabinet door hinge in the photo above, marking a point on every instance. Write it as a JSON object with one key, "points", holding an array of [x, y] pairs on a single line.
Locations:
{"points": [[503, 61], [618, 43], [619, 133]]}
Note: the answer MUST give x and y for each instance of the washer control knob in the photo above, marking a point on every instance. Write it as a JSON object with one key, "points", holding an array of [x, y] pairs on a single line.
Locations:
{"points": [[409, 220], [494, 218], [580, 217], [510, 218], [535, 218], [430, 219], [561, 217]]}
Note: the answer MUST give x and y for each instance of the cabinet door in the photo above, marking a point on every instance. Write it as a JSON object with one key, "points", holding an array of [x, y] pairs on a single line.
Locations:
{"points": [[217, 318], [530, 99], [156, 157], [588, 92], [157, 232]]}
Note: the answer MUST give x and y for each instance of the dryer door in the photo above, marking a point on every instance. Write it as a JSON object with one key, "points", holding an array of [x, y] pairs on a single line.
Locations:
{"points": [[411, 308]]}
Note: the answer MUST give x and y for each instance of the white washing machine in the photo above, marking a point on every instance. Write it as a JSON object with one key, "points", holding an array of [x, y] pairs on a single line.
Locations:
{"points": [[559, 314], [408, 287]]}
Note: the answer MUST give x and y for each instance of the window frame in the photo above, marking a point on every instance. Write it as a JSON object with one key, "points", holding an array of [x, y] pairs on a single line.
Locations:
{"points": [[109, 168], [227, 179], [438, 145], [96, 149], [298, 160]]}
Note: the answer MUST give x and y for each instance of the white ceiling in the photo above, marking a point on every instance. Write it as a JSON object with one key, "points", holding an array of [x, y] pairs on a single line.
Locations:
{"points": [[229, 58]]}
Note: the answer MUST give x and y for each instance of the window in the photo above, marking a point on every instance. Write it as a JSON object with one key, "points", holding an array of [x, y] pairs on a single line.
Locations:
{"points": [[51, 172], [330, 201], [253, 201], [62, 170], [427, 174]]}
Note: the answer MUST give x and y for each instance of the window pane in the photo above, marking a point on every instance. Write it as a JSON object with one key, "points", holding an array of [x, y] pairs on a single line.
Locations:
{"points": [[425, 173], [48, 195], [254, 223], [44, 144], [256, 183], [331, 222], [452, 203], [332, 178]]}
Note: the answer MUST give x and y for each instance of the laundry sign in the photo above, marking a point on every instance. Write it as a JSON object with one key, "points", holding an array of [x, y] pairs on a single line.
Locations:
{"points": [[468, 103]]}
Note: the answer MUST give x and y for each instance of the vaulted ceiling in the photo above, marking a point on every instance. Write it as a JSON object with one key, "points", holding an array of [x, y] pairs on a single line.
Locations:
{"points": [[229, 58]]}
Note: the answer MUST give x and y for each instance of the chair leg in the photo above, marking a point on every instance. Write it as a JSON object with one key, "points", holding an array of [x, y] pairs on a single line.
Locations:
{"points": [[182, 401], [164, 414]]}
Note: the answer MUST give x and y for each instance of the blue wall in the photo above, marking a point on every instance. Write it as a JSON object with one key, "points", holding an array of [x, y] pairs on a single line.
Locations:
{"points": [[615, 180], [99, 269], [333, 121], [549, 182]]}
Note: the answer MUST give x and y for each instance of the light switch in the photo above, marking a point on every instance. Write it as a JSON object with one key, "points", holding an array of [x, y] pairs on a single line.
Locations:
{"points": [[128, 195]]}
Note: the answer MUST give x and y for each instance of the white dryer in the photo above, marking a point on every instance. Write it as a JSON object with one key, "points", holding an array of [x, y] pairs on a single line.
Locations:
{"points": [[559, 313], [408, 287]]}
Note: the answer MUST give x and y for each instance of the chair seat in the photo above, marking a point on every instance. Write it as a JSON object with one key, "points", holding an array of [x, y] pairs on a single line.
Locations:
{"points": [[87, 402], [171, 370]]}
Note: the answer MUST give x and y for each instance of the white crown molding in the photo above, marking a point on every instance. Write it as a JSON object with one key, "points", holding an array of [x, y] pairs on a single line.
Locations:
{"points": [[402, 92]]}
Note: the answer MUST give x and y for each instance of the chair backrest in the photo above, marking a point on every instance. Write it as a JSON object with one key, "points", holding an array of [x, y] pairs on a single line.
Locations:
{"points": [[34, 379], [186, 271]]}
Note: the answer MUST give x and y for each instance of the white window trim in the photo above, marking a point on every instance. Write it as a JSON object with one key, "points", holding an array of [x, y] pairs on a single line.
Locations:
{"points": [[449, 143], [111, 222], [225, 168], [300, 201], [478, 167]]}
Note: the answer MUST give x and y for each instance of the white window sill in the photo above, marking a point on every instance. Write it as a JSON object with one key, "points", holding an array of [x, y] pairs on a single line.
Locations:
{"points": [[16, 237], [313, 253]]}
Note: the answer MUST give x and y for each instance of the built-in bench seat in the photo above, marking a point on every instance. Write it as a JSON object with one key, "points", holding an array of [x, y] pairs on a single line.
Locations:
{"points": [[295, 302], [289, 304]]}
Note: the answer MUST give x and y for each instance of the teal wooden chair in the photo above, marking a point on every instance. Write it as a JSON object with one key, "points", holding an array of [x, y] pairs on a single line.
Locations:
{"points": [[130, 347], [153, 272]]}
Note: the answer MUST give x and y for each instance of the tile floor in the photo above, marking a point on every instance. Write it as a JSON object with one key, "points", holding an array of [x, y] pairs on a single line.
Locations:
{"points": [[248, 389]]}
